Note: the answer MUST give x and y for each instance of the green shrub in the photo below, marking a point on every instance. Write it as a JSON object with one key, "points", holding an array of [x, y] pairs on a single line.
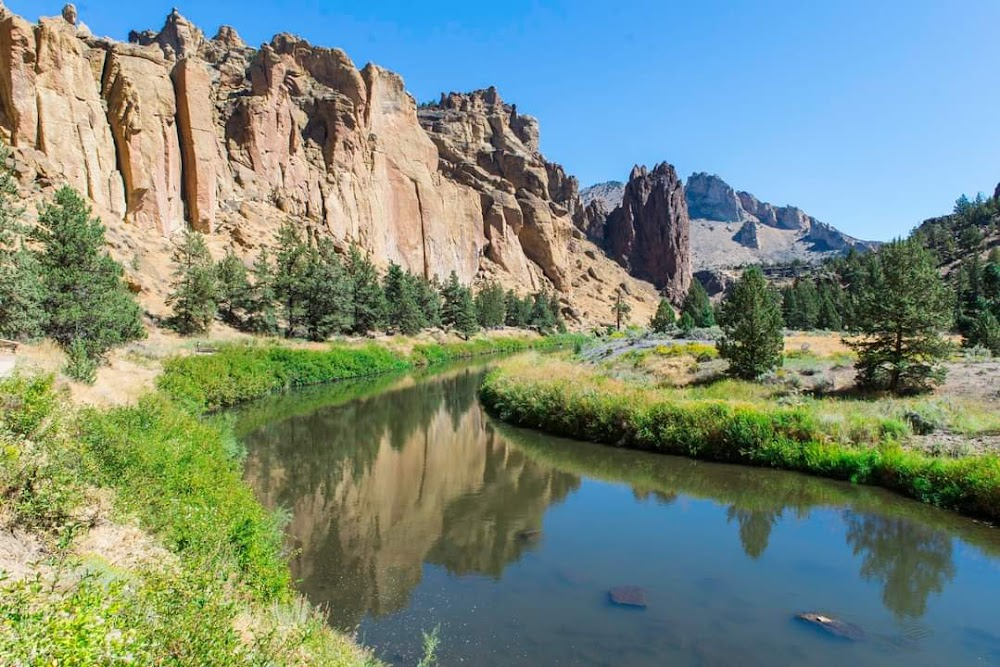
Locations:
{"points": [[728, 431]]}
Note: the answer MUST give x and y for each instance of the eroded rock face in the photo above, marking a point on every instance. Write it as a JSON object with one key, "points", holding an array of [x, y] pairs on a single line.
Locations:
{"points": [[174, 130], [650, 232], [710, 197]]}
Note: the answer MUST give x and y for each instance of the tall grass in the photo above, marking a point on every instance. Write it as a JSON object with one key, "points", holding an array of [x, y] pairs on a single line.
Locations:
{"points": [[239, 373], [561, 400]]}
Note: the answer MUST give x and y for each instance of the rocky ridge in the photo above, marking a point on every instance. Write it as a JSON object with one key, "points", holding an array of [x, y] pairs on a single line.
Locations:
{"points": [[175, 130], [731, 228]]}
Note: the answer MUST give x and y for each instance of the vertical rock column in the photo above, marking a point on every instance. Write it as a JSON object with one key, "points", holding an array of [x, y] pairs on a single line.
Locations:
{"points": [[201, 151]]}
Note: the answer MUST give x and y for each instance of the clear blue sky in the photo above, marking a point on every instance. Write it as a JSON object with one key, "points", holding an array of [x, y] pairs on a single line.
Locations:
{"points": [[871, 115]]}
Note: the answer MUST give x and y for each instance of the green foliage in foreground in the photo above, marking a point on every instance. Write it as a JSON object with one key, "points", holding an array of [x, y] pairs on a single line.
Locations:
{"points": [[792, 438], [219, 594], [752, 336], [239, 373]]}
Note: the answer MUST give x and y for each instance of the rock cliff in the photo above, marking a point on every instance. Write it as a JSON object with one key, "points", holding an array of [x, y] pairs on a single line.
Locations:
{"points": [[176, 130]]}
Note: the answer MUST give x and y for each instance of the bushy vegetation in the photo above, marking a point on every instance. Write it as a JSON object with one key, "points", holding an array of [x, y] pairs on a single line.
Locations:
{"points": [[569, 401], [214, 567], [306, 289], [239, 373]]}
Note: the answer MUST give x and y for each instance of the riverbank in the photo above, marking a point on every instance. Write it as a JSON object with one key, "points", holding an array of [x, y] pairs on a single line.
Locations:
{"points": [[128, 534], [862, 441]]}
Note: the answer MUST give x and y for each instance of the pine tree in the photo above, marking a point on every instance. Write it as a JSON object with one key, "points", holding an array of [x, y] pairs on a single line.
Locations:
{"points": [[542, 317], [194, 292], [326, 294], [699, 306], [402, 301], [664, 319], [289, 279], [491, 306], [261, 315], [900, 307], [685, 323], [620, 309], [429, 299], [233, 287], [752, 339], [367, 296], [518, 310], [465, 315], [829, 316], [90, 310], [451, 300], [21, 291]]}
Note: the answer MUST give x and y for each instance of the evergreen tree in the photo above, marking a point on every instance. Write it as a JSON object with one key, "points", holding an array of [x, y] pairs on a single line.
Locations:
{"points": [[451, 300], [900, 307], [518, 310], [402, 301], [685, 323], [491, 306], [465, 315], [698, 306], [752, 339], [829, 315], [366, 292], [429, 299], [233, 287], [90, 310], [21, 291], [261, 314], [664, 319], [542, 317], [326, 295], [620, 309], [289, 279], [194, 293]]}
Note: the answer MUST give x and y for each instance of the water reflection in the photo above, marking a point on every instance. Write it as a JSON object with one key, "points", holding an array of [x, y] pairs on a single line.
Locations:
{"points": [[380, 485], [389, 484]]}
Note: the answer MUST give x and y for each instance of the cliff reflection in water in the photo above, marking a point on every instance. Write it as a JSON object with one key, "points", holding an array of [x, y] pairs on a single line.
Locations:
{"points": [[382, 479], [378, 486]]}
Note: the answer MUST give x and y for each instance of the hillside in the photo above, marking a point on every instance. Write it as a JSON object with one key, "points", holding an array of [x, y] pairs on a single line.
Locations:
{"points": [[732, 228], [174, 130]]}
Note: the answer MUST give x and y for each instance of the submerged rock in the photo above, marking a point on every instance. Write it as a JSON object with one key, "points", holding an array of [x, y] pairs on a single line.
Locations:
{"points": [[833, 626], [628, 596], [529, 535]]}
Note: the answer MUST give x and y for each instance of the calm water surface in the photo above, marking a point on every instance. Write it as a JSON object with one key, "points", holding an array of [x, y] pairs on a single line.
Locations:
{"points": [[411, 509]]}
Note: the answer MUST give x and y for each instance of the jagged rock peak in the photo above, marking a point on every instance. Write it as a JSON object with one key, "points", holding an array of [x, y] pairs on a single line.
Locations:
{"points": [[179, 38], [650, 232], [227, 36], [69, 14], [709, 197]]}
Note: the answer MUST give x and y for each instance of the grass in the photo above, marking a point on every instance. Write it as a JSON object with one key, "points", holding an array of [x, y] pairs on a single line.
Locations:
{"points": [[212, 586], [736, 422], [239, 373]]}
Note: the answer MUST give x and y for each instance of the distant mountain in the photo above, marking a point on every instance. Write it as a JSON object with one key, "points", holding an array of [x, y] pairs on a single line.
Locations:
{"points": [[731, 228]]}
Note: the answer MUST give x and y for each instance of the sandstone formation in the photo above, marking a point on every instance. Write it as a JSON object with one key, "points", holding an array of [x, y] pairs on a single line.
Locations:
{"points": [[174, 130]]}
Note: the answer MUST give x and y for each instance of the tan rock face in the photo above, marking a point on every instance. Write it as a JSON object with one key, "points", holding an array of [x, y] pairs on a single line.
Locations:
{"points": [[175, 130]]}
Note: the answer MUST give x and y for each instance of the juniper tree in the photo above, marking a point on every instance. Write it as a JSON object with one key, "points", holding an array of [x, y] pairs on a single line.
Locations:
{"points": [[518, 310], [194, 293], [465, 313], [900, 307], [664, 318], [620, 309], [698, 306], [233, 287], [402, 301], [90, 310], [752, 338], [491, 306], [289, 278], [261, 315], [21, 290], [367, 297], [326, 294], [429, 299], [451, 300], [542, 316]]}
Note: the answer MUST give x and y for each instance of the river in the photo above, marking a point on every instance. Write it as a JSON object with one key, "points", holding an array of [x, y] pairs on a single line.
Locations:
{"points": [[411, 509]]}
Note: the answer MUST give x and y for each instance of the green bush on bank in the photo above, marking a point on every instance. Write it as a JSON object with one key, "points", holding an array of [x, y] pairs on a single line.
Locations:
{"points": [[780, 437], [240, 373]]}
